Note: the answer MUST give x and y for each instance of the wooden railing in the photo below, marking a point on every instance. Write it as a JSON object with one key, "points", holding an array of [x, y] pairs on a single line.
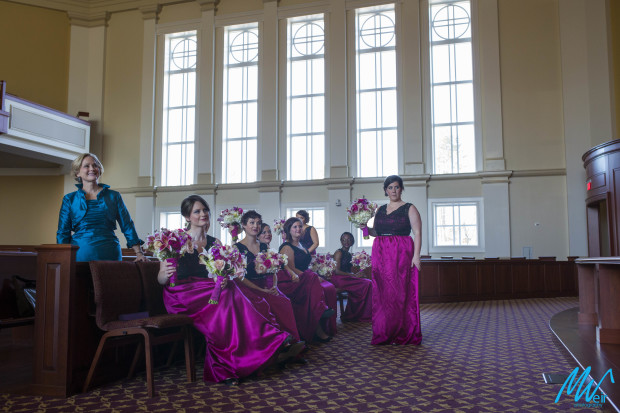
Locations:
{"points": [[447, 280]]}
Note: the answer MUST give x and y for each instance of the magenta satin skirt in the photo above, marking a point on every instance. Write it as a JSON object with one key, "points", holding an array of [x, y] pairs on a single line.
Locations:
{"points": [[359, 303], [276, 308], [240, 340], [331, 299], [395, 299], [308, 300]]}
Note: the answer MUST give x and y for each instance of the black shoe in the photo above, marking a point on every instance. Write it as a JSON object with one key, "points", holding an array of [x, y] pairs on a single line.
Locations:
{"points": [[328, 313], [231, 382], [323, 340], [291, 351]]}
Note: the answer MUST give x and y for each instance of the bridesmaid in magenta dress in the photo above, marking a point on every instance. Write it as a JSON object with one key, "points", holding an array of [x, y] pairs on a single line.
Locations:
{"points": [[395, 267], [359, 290], [262, 289], [310, 241], [304, 288], [239, 339]]}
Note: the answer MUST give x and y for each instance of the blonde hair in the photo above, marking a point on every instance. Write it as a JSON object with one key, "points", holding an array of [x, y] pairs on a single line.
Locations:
{"points": [[77, 164]]}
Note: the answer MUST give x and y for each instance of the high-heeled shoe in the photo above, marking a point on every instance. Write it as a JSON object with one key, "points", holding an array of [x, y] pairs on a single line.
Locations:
{"points": [[291, 351], [231, 382], [328, 313], [323, 340]]}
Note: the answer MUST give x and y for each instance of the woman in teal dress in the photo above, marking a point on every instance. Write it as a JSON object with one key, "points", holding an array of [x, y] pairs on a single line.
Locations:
{"points": [[88, 216]]}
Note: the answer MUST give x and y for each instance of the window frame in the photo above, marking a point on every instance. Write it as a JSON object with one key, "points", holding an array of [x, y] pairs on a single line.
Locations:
{"points": [[296, 206], [426, 80], [352, 92], [161, 31], [433, 247], [285, 81], [221, 23]]}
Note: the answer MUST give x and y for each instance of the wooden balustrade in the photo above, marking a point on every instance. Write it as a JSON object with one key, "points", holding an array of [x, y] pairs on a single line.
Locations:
{"points": [[447, 280]]}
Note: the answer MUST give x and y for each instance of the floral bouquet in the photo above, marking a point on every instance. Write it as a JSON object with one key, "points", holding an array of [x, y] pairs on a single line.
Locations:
{"points": [[278, 227], [231, 218], [223, 261], [361, 260], [269, 262], [360, 212], [170, 245], [323, 264]]}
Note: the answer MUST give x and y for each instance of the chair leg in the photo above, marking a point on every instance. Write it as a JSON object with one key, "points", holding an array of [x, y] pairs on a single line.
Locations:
{"points": [[341, 302], [134, 362], [93, 365], [171, 355], [190, 368], [150, 383]]}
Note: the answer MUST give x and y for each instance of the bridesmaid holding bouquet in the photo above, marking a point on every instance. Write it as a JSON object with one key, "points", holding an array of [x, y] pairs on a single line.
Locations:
{"points": [[240, 340], [395, 269], [303, 287], [262, 287]]}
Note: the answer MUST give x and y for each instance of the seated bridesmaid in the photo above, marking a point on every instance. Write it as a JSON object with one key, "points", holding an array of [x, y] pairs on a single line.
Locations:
{"points": [[309, 239], [240, 340], [265, 236], [262, 289], [359, 302], [303, 287]]}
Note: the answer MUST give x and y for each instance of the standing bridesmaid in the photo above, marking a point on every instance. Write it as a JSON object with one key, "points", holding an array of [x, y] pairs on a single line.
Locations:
{"points": [[304, 289], [309, 237], [395, 268], [262, 289], [359, 301], [240, 340]]}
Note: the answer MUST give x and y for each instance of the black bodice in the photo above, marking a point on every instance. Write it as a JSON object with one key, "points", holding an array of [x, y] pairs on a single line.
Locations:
{"points": [[396, 223], [306, 238], [251, 273], [190, 266], [302, 257]]}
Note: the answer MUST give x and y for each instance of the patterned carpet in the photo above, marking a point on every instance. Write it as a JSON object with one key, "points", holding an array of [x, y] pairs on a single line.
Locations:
{"points": [[485, 356]]}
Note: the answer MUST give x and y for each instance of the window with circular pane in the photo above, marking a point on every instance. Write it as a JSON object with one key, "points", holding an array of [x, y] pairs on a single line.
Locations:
{"points": [[451, 22], [309, 39], [244, 47], [183, 54], [377, 31]]}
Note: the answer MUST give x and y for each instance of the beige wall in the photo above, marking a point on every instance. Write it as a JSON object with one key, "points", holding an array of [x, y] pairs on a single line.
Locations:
{"points": [[531, 84], [35, 58], [29, 209], [528, 206], [122, 107], [179, 12]]}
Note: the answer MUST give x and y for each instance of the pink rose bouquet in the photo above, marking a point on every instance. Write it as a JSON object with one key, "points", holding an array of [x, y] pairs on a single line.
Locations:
{"points": [[170, 245], [269, 262], [278, 226], [360, 212], [223, 261], [323, 264], [361, 260], [231, 218]]}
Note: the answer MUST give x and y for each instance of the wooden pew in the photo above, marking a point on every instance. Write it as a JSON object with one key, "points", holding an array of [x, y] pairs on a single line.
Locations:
{"points": [[15, 261]]}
